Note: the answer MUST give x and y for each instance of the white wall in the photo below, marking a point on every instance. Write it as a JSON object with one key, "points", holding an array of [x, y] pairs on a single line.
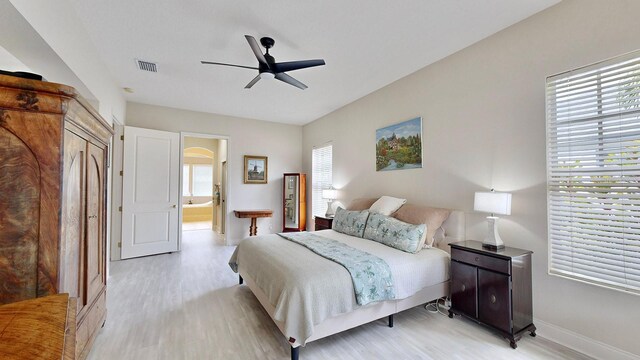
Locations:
{"points": [[483, 115], [281, 143], [58, 24]]}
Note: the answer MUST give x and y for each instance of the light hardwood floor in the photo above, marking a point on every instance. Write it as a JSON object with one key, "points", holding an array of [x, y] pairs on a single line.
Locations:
{"points": [[189, 305]]}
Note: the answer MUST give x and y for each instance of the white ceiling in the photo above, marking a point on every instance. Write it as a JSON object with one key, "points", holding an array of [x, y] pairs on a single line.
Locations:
{"points": [[366, 44]]}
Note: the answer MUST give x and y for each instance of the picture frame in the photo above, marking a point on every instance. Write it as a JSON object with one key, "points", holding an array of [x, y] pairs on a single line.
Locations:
{"points": [[256, 169], [399, 146]]}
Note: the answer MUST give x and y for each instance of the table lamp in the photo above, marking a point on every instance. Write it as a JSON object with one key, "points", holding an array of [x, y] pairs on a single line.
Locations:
{"points": [[493, 203], [330, 195]]}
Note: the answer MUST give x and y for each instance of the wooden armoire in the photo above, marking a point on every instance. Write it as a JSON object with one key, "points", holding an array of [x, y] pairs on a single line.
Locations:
{"points": [[53, 182]]}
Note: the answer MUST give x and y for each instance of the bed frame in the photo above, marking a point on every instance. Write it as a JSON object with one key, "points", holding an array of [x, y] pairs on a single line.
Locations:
{"points": [[454, 229]]}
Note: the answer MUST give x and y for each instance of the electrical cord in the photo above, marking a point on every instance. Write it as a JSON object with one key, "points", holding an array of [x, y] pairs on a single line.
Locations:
{"points": [[435, 306]]}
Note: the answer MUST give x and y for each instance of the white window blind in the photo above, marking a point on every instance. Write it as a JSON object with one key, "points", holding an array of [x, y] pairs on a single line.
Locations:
{"points": [[321, 177], [202, 180], [593, 173]]}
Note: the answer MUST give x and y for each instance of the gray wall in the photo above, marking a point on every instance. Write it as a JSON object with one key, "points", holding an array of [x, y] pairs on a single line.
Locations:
{"points": [[483, 112]]}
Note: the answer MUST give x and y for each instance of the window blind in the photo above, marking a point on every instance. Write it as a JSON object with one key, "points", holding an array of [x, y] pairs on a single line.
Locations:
{"points": [[321, 177], [593, 173]]}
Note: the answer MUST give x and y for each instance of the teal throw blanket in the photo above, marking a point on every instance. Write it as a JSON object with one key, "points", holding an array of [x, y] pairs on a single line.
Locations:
{"points": [[372, 278]]}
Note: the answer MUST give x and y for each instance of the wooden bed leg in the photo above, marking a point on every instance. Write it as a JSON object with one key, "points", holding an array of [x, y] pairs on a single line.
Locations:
{"points": [[240, 280], [295, 353], [391, 320]]}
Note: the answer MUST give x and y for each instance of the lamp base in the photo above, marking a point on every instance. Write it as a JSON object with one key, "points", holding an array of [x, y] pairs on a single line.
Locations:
{"points": [[330, 212], [493, 240], [492, 247]]}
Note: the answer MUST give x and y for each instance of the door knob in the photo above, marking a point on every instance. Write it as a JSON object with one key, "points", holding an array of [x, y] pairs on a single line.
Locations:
{"points": [[174, 206]]}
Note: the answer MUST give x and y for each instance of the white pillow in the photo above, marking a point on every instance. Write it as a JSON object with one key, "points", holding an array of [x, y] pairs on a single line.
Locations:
{"points": [[387, 205]]}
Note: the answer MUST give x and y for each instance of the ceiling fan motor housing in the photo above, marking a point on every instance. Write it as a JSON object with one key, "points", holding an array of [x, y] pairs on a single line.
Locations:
{"points": [[267, 42]]}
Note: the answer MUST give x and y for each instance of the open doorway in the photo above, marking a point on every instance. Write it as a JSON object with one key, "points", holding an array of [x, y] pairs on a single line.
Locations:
{"points": [[204, 184]]}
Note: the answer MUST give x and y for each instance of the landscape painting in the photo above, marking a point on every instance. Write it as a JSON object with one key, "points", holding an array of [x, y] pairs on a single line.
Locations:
{"points": [[399, 146], [255, 169]]}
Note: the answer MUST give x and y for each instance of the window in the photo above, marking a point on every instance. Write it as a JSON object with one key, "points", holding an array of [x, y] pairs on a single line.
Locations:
{"points": [[321, 177], [197, 180], [593, 173], [186, 180], [202, 180]]}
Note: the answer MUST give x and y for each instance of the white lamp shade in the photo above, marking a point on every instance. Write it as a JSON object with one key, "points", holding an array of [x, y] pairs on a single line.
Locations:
{"points": [[330, 194], [493, 202]]}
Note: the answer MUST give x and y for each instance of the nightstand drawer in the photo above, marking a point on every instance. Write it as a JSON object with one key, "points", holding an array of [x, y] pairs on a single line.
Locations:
{"points": [[322, 223], [483, 261]]}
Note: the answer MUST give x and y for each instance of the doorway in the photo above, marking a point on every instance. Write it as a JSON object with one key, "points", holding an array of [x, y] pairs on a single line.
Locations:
{"points": [[203, 190]]}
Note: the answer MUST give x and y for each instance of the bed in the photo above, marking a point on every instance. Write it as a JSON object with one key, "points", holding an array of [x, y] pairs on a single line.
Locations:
{"points": [[310, 297]]}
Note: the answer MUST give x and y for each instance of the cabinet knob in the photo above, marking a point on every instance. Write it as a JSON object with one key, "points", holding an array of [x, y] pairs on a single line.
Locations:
{"points": [[463, 287], [493, 299]]}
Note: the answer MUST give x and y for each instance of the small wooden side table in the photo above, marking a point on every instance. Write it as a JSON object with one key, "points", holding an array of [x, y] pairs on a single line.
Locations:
{"points": [[40, 328], [493, 288], [253, 214]]}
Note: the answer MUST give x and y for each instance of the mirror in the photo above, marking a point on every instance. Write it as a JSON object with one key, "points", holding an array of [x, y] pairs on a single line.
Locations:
{"points": [[291, 184]]}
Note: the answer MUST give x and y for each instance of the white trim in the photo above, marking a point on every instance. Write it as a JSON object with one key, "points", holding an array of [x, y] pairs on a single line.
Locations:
{"points": [[581, 343]]}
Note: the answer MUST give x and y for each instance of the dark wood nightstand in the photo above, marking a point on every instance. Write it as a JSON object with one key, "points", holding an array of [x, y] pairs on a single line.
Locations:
{"points": [[323, 223], [493, 288]]}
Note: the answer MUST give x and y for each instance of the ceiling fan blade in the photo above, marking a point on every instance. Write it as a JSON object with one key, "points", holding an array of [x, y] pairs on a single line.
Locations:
{"points": [[256, 50], [291, 81], [296, 65], [252, 82], [217, 63]]}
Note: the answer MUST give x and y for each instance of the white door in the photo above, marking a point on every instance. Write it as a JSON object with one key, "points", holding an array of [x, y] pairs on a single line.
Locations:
{"points": [[150, 192]]}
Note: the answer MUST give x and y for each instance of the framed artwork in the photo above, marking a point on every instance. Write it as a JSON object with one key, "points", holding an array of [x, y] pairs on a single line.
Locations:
{"points": [[255, 169], [399, 146]]}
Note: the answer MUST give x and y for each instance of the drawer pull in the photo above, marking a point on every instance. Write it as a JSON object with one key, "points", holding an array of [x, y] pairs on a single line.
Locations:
{"points": [[463, 287], [493, 299], [477, 259]]}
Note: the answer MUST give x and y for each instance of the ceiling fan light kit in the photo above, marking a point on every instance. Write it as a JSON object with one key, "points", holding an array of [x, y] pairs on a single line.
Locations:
{"points": [[266, 75], [268, 68]]}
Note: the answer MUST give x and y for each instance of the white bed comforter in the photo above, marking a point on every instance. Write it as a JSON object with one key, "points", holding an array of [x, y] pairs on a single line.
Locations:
{"points": [[306, 289]]}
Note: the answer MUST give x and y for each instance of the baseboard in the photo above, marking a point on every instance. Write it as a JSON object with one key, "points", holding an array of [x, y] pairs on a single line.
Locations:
{"points": [[581, 343]]}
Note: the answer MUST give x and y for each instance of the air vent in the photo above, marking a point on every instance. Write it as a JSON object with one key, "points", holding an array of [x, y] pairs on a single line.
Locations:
{"points": [[147, 66]]}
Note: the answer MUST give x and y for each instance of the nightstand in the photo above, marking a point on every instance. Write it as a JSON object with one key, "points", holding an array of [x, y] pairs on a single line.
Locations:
{"points": [[323, 223], [493, 288]]}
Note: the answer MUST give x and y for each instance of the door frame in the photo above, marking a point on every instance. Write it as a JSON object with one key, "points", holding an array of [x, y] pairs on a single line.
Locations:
{"points": [[184, 134], [115, 221]]}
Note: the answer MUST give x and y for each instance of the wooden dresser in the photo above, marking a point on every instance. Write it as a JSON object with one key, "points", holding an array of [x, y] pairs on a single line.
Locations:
{"points": [[41, 328], [493, 287], [53, 181]]}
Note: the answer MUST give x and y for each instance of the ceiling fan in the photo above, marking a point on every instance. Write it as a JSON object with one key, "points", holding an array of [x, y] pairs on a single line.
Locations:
{"points": [[268, 68]]}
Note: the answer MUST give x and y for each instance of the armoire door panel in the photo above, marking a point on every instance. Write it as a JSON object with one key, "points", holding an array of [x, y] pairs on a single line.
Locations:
{"points": [[19, 209], [94, 219], [73, 219]]}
